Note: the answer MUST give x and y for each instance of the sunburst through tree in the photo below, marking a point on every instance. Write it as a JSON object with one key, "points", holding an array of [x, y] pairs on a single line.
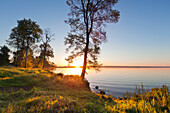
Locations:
{"points": [[87, 19]]}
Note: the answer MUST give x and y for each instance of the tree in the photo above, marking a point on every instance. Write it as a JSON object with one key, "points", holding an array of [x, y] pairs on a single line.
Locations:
{"points": [[46, 50], [23, 37], [87, 20], [15, 41], [4, 55]]}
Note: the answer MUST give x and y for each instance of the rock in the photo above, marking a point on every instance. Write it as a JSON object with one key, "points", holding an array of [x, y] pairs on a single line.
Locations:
{"points": [[102, 92], [60, 75], [97, 87]]}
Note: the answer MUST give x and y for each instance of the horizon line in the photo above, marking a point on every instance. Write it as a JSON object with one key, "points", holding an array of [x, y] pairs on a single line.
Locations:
{"points": [[116, 66]]}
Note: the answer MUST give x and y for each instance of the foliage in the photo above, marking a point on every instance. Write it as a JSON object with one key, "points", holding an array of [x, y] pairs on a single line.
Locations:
{"points": [[19, 58], [23, 39], [155, 101], [4, 55], [46, 51], [87, 20]]}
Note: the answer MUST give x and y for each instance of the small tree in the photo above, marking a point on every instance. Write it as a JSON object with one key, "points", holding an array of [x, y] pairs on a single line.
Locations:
{"points": [[24, 36], [87, 20], [4, 55], [46, 50]]}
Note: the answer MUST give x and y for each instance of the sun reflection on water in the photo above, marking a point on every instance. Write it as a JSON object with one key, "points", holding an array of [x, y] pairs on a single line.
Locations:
{"points": [[69, 71]]}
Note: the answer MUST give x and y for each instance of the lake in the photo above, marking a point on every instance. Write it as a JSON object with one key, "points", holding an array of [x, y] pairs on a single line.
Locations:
{"points": [[119, 80]]}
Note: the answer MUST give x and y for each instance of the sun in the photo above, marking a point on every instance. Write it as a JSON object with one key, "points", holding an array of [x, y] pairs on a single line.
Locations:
{"points": [[77, 63]]}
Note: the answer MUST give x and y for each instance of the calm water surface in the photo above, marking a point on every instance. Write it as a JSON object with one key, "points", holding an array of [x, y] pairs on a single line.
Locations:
{"points": [[119, 80]]}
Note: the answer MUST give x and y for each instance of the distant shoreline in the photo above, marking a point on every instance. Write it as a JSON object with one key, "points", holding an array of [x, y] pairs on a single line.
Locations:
{"points": [[118, 66]]}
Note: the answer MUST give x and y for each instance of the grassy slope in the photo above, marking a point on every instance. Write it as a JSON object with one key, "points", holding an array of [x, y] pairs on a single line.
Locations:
{"points": [[45, 92], [36, 90]]}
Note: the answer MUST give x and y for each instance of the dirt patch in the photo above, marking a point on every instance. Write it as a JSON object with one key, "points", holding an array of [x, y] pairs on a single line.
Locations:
{"points": [[10, 89]]}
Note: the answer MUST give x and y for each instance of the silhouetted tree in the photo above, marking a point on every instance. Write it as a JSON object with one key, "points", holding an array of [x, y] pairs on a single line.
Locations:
{"points": [[87, 20], [23, 37], [4, 55], [15, 41], [46, 50]]}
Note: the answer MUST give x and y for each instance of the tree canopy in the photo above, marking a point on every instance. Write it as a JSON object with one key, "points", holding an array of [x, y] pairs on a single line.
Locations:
{"points": [[87, 19], [23, 38], [4, 55], [46, 51]]}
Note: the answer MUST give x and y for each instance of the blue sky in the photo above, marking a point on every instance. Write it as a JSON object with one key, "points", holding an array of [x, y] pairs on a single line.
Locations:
{"points": [[141, 37]]}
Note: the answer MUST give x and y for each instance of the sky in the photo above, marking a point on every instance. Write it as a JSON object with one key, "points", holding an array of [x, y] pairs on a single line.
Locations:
{"points": [[141, 37]]}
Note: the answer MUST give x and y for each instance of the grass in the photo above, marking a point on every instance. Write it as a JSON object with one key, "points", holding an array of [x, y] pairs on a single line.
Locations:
{"points": [[36, 90], [155, 101]]}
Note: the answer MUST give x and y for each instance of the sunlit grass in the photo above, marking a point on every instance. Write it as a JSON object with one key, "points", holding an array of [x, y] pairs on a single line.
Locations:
{"points": [[37, 90], [155, 101], [46, 92]]}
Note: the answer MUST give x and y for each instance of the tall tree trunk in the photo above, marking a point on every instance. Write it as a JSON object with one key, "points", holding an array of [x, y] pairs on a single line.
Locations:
{"points": [[85, 57], [26, 57], [16, 62], [26, 53], [44, 58], [86, 21]]}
